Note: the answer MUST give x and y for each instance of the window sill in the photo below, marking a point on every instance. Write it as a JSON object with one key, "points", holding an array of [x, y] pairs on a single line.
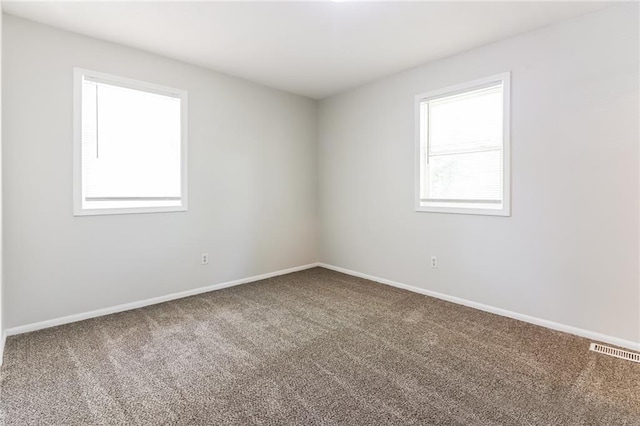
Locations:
{"points": [[475, 209], [131, 210]]}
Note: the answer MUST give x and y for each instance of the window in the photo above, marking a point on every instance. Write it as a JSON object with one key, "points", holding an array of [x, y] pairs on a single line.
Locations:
{"points": [[462, 148], [130, 146]]}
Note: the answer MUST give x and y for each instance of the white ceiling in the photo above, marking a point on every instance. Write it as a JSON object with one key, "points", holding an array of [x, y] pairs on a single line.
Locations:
{"points": [[314, 49]]}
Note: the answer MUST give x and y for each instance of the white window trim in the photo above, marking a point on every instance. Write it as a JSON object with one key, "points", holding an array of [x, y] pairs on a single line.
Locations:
{"points": [[78, 74], [420, 161]]}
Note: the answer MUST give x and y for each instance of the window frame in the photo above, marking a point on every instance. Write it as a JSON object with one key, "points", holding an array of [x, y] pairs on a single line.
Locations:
{"points": [[421, 149], [78, 77]]}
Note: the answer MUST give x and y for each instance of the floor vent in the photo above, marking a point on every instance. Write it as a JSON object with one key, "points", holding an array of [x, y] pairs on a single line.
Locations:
{"points": [[618, 353]]}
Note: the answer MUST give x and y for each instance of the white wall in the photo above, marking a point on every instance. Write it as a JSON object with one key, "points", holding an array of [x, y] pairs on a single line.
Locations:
{"points": [[2, 327], [569, 253], [252, 183]]}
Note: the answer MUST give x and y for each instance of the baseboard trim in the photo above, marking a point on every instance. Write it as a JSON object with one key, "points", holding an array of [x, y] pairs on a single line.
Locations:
{"points": [[628, 344], [147, 302], [3, 339], [592, 335]]}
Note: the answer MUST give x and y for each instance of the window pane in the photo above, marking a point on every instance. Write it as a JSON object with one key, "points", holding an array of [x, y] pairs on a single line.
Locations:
{"points": [[131, 146], [471, 176], [466, 122]]}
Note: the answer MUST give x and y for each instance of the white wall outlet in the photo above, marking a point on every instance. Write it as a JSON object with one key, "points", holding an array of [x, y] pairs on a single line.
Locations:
{"points": [[204, 259], [434, 261]]}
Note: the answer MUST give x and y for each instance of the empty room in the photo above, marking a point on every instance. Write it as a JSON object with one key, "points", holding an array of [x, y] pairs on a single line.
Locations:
{"points": [[320, 213]]}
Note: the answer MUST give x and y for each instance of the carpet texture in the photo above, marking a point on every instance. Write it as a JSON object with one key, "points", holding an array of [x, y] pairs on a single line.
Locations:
{"points": [[310, 348]]}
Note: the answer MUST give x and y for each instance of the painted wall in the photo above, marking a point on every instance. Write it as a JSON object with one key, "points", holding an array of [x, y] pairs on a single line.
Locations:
{"points": [[2, 326], [252, 183], [569, 252]]}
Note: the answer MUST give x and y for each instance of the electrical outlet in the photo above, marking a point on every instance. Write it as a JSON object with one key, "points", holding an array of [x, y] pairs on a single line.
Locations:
{"points": [[434, 261], [204, 258]]}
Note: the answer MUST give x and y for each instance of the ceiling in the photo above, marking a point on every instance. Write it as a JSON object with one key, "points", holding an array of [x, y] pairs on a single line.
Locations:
{"points": [[315, 49]]}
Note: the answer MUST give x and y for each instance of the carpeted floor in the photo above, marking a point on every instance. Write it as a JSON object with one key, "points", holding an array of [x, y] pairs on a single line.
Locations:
{"points": [[313, 347]]}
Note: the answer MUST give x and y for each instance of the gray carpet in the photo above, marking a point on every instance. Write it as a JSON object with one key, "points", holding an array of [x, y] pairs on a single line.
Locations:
{"points": [[309, 348]]}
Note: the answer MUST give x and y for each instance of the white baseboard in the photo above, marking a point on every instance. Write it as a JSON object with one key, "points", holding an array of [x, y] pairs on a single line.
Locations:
{"points": [[498, 311], [480, 306], [3, 339], [141, 303]]}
